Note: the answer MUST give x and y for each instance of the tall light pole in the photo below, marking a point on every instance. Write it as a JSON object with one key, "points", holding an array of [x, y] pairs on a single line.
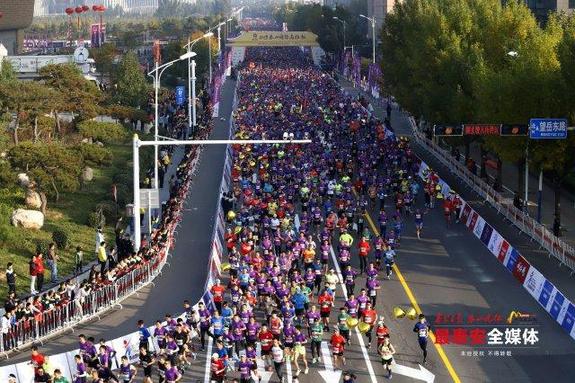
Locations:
{"points": [[136, 144], [342, 23], [372, 20], [192, 82], [157, 73], [227, 28], [218, 27]]}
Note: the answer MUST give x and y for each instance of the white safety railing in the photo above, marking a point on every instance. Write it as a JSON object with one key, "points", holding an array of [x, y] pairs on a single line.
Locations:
{"points": [[556, 247]]}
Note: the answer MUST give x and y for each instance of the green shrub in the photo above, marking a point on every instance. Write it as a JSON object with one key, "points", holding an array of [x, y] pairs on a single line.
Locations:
{"points": [[61, 238], [122, 178], [94, 155], [96, 219], [106, 132], [42, 246]]}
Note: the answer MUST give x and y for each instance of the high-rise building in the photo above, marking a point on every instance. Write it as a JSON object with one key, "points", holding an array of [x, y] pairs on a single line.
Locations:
{"points": [[16, 15], [379, 9], [542, 8]]}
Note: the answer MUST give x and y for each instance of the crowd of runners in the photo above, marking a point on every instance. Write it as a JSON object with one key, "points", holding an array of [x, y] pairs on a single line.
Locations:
{"points": [[305, 261], [299, 222]]}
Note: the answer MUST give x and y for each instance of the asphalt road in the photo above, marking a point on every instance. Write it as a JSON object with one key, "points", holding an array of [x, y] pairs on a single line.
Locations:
{"points": [[448, 271], [185, 275]]}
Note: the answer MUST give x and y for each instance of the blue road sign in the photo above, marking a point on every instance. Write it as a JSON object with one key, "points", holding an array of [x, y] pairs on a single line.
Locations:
{"points": [[548, 128], [180, 94]]}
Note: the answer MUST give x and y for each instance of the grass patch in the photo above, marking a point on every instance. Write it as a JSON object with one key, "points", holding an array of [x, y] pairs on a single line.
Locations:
{"points": [[71, 213]]}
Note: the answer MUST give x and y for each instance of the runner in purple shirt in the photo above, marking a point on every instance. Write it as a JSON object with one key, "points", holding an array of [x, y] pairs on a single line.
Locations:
{"points": [[171, 375], [245, 367], [80, 375]]}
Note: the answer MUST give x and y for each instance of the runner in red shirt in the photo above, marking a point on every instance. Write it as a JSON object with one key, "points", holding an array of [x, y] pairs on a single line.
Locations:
{"points": [[276, 326], [266, 338], [325, 301], [382, 331], [37, 359], [369, 316], [217, 291], [337, 342], [217, 369], [231, 239], [363, 251]]}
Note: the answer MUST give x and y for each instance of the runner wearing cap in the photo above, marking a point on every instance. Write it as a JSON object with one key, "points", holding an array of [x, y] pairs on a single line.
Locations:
{"points": [[382, 331], [217, 369]]}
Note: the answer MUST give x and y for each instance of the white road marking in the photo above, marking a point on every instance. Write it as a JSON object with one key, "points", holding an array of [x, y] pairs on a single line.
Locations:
{"points": [[265, 376], [358, 333], [207, 374], [329, 375], [420, 373]]}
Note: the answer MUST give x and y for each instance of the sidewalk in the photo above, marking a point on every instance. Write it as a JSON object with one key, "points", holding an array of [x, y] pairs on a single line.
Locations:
{"points": [[539, 258], [510, 178]]}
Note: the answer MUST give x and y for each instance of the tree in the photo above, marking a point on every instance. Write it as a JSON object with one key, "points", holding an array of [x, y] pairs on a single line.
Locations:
{"points": [[75, 94], [7, 72], [132, 88], [104, 57], [25, 100], [556, 159], [53, 167]]}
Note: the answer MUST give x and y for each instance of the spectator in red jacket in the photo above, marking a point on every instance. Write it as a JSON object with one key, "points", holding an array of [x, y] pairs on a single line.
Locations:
{"points": [[39, 271]]}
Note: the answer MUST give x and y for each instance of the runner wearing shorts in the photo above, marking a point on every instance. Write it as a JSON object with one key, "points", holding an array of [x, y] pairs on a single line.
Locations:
{"points": [[337, 342], [386, 351], [299, 350]]}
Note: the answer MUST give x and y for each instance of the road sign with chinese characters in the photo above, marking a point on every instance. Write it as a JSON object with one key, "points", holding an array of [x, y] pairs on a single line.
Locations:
{"points": [[180, 94], [548, 128], [481, 129]]}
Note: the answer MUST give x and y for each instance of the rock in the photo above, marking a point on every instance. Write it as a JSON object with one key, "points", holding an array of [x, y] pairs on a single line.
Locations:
{"points": [[33, 200], [23, 179], [28, 219], [85, 141], [99, 143], [87, 174]]}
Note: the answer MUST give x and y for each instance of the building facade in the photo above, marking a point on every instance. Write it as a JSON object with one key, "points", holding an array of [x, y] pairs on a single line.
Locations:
{"points": [[542, 8], [378, 9], [17, 15], [58, 7]]}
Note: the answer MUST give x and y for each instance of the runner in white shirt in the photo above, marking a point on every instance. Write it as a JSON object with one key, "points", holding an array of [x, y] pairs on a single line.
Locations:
{"points": [[278, 358]]}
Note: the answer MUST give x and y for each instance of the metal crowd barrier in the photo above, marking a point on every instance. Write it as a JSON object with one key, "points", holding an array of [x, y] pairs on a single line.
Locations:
{"points": [[37, 327], [555, 246]]}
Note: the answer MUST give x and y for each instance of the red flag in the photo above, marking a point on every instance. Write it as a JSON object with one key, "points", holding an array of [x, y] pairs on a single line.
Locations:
{"points": [[156, 51]]}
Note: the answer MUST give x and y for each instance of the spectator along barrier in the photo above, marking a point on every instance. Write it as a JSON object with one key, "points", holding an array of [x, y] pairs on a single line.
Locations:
{"points": [[98, 294], [60, 318]]}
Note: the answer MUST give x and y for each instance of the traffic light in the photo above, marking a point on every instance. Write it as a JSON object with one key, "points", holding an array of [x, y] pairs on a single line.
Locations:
{"points": [[447, 130], [514, 130]]}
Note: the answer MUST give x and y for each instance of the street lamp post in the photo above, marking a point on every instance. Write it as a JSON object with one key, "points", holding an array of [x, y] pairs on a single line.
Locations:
{"points": [[342, 23], [136, 144], [218, 27], [372, 20], [157, 72], [192, 81]]}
